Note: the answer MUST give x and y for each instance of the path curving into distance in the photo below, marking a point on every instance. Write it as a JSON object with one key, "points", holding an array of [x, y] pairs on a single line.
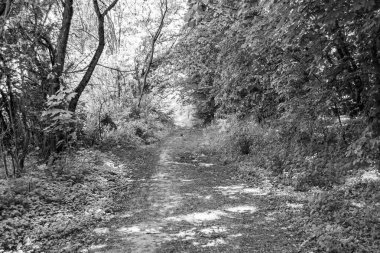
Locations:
{"points": [[190, 203]]}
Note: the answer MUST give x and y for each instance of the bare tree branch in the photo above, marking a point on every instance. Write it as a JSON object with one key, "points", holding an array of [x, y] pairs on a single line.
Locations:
{"points": [[110, 7], [164, 10], [95, 59]]}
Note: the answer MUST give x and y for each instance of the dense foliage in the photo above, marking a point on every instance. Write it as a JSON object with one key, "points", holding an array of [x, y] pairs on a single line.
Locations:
{"points": [[295, 64], [71, 70], [294, 88]]}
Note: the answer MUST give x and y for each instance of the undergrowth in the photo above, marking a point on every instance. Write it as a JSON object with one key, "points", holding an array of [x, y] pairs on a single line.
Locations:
{"points": [[52, 205], [131, 127], [345, 216], [51, 209], [344, 220]]}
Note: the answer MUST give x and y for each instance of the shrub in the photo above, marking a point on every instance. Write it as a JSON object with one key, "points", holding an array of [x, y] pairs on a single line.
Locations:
{"points": [[299, 156], [344, 220]]}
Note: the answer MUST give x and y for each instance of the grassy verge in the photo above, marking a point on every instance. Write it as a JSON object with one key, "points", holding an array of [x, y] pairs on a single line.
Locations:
{"points": [[53, 209], [342, 213]]}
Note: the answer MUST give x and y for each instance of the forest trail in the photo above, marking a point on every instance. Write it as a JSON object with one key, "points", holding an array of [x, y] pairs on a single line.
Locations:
{"points": [[189, 202]]}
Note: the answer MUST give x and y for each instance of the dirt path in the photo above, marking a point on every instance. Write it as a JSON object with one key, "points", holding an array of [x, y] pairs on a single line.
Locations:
{"points": [[189, 203]]}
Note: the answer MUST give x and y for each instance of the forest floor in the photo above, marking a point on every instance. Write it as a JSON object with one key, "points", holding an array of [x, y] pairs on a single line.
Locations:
{"points": [[179, 195], [187, 200], [172, 196]]}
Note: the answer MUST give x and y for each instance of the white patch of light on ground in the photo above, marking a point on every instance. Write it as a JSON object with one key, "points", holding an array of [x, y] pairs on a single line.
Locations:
{"points": [[368, 176], [143, 228], [112, 165], [242, 209], [213, 230], [254, 191], [294, 206], [152, 231], [240, 189], [357, 204], [96, 247], [130, 230], [101, 230], [235, 235], [371, 175], [214, 243], [199, 217], [186, 235], [186, 180], [207, 165], [178, 163]]}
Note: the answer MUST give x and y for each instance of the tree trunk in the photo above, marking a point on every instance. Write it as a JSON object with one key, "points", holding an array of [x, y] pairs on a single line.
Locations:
{"points": [[4, 158], [5, 7], [151, 54], [99, 50], [13, 124], [60, 52], [50, 140], [358, 85]]}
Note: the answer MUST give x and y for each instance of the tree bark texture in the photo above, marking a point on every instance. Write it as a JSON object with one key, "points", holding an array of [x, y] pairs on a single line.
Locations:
{"points": [[60, 52]]}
